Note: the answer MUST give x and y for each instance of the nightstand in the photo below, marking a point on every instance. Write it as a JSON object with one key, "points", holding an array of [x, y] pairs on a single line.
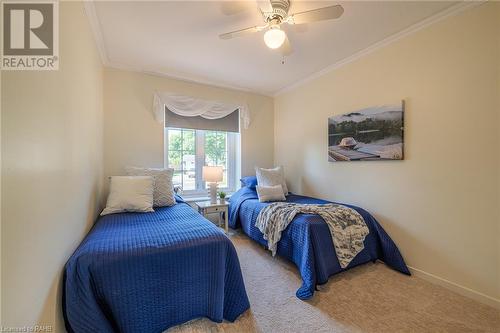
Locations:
{"points": [[205, 208]]}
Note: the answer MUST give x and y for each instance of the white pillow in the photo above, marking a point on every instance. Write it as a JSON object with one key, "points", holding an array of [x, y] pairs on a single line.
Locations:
{"points": [[270, 193], [129, 194], [163, 193], [271, 177]]}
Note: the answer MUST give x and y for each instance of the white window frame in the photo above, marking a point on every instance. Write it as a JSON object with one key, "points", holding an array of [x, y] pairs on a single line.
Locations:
{"points": [[233, 161]]}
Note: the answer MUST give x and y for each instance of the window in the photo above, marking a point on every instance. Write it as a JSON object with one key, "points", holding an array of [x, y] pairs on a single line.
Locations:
{"points": [[188, 150]]}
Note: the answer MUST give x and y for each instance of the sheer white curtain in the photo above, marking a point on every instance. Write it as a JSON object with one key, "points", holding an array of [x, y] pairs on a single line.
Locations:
{"points": [[191, 107]]}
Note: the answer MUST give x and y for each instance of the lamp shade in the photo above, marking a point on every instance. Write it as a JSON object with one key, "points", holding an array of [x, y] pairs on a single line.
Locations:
{"points": [[212, 174]]}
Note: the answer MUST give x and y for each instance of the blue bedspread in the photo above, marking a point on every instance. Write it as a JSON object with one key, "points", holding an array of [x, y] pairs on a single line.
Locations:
{"points": [[308, 243], [146, 272]]}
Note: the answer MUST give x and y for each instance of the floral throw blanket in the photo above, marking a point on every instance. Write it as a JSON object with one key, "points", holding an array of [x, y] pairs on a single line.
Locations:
{"points": [[347, 227]]}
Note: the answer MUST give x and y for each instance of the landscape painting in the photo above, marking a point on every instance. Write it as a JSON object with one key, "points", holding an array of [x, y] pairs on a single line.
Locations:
{"points": [[375, 133]]}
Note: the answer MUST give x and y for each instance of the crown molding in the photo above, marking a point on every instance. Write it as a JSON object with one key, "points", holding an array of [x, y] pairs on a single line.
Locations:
{"points": [[451, 11], [185, 78], [96, 28], [97, 32]]}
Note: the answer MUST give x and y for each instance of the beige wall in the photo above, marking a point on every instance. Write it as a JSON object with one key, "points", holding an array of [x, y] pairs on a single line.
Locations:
{"points": [[440, 205], [133, 137], [51, 171]]}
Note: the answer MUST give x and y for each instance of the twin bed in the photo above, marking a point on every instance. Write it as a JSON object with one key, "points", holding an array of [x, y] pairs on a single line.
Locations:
{"points": [[307, 241], [146, 272]]}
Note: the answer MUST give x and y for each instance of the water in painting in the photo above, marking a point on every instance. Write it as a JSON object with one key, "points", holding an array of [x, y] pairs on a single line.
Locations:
{"points": [[374, 133]]}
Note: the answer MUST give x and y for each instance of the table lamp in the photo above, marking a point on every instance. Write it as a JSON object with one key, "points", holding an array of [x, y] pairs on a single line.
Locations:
{"points": [[212, 175]]}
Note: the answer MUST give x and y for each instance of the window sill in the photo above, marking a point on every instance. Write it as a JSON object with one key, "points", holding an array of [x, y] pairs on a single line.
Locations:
{"points": [[193, 198]]}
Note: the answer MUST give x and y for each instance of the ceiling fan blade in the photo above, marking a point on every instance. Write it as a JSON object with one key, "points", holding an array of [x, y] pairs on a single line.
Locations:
{"points": [[320, 14], [265, 6], [286, 48], [241, 32], [233, 7], [299, 28]]}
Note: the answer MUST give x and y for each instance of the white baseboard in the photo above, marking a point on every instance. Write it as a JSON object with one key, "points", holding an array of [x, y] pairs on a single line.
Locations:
{"points": [[464, 291]]}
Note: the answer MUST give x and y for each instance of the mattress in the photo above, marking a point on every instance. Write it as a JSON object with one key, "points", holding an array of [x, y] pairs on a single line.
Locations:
{"points": [[146, 272], [307, 241]]}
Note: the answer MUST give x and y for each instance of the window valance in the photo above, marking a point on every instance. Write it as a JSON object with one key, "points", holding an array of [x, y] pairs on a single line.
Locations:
{"points": [[192, 107], [229, 123]]}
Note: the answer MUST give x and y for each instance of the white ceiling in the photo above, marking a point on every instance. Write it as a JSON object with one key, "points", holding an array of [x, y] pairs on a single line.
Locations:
{"points": [[180, 39]]}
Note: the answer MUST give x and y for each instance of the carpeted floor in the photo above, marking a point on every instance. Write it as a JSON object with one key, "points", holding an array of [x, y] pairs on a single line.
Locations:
{"points": [[370, 298]]}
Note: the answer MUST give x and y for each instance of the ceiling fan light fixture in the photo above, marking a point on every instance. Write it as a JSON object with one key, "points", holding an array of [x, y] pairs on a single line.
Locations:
{"points": [[274, 37]]}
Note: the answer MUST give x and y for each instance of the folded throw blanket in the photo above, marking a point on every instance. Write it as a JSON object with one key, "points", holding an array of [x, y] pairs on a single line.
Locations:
{"points": [[347, 227]]}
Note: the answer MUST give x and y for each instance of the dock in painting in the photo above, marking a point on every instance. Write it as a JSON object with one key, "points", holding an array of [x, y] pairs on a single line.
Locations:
{"points": [[341, 154], [374, 133]]}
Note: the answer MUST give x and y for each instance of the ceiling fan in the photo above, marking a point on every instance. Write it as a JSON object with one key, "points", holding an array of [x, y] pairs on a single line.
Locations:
{"points": [[275, 13]]}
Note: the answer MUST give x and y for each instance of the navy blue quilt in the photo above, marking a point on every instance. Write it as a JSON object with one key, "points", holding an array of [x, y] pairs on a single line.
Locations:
{"points": [[146, 272], [307, 241]]}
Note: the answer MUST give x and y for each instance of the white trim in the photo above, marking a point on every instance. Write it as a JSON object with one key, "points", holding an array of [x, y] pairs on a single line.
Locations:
{"points": [[95, 26], [232, 159], [464, 291], [451, 11], [199, 138], [192, 199], [97, 31], [186, 78], [232, 142], [165, 146]]}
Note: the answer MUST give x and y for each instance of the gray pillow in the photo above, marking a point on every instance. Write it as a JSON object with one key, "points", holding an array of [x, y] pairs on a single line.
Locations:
{"points": [[271, 177], [270, 193], [163, 194]]}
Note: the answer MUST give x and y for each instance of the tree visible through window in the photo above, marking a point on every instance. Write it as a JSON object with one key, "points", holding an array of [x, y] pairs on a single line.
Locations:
{"points": [[188, 150], [181, 157], [216, 152]]}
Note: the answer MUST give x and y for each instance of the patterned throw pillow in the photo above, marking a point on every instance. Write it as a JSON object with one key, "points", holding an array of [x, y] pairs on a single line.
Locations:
{"points": [[271, 177], [163, 194]]}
